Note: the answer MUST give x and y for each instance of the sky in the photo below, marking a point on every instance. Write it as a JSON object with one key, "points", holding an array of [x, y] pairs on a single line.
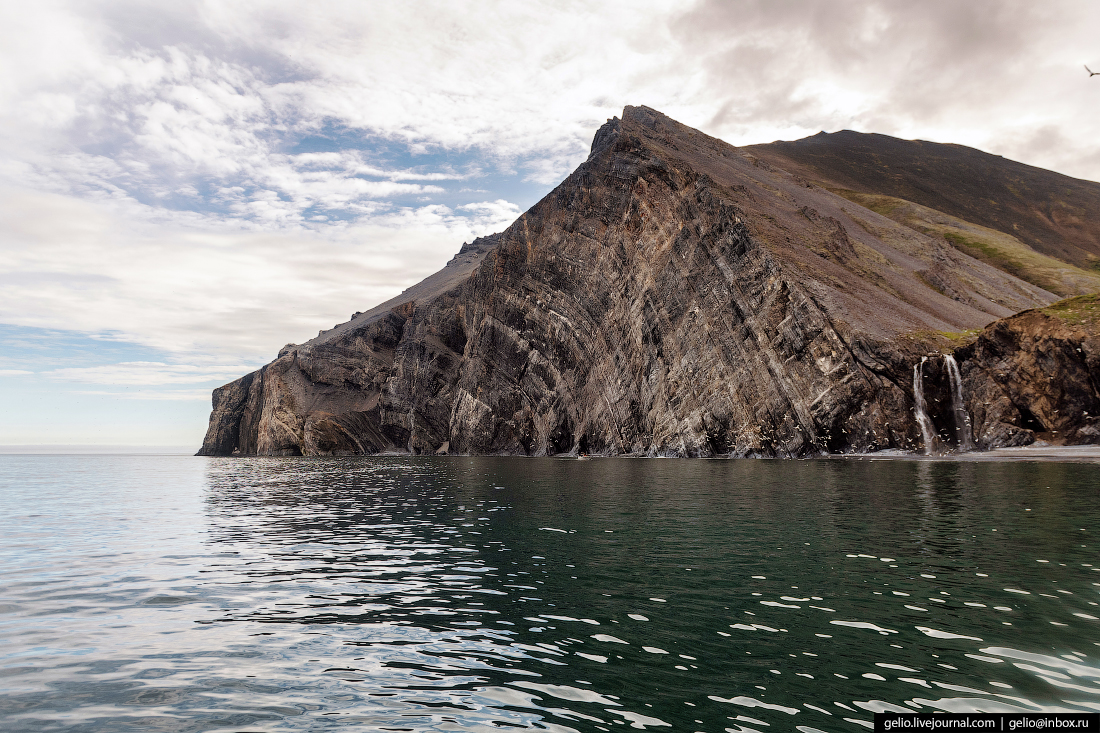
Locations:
{"points": [[185, 187]]}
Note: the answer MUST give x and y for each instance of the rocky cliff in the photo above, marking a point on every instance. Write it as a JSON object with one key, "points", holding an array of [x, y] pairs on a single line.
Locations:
{"points": [[1036, 375], [673, 296]]}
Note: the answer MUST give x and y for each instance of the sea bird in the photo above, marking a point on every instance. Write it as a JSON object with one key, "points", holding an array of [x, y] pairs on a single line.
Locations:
{"points": [[1091, 72]]}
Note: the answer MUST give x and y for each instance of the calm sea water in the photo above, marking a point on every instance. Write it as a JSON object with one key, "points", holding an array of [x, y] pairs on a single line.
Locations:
{"points": [[159, 593]]}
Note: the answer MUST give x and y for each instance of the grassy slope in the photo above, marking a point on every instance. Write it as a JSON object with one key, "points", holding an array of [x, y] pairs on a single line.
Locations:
{"points": [[1051, 213], [1083, 310], [1003, 251]]}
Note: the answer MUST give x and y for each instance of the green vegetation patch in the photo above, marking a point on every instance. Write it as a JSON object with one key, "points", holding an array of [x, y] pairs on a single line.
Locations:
{"points": [[882, 205], [960, 338], [944, 340], [996, 248], [993, 255], [1084, 310]]}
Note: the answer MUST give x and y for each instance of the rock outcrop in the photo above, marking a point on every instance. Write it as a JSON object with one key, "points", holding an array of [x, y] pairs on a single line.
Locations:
{"points": [[1035, 375], [673, 296]]}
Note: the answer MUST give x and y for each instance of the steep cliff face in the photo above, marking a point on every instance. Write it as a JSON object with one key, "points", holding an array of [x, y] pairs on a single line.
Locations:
{"points": [[672, 296], [1035, 375]]}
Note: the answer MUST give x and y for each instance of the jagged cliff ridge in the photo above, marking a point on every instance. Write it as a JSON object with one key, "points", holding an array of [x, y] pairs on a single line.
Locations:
{"points": [[672, 296]]}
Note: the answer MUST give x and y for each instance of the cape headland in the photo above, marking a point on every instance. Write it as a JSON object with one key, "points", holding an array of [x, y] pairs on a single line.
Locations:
{"points": [[678, 296]]}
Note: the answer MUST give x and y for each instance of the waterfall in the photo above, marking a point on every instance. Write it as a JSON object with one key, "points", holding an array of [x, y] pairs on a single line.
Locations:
{"points": [[958, 407], [927, 432]]}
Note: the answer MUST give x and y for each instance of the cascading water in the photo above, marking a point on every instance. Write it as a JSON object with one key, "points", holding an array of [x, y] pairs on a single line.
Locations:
{"points": [[927, 432], [958, 407]]}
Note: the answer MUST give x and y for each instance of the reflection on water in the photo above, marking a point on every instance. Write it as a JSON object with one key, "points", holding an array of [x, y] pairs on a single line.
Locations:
{"points": [[186, 594]]}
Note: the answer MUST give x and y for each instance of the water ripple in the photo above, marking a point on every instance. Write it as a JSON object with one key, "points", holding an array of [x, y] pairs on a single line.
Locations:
{"points": [[180, 594]]}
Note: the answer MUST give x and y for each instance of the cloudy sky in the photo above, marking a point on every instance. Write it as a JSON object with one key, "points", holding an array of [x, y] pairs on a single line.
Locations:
{"points": [[187, 186]]}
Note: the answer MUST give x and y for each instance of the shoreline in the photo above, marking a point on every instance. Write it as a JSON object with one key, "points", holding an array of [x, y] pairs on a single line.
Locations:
{"points": [[1046, 453], [1069, 453]]}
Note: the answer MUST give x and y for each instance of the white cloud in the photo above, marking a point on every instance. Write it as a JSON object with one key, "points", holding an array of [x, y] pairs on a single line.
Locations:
{"points": [[216, 291], [979, 74], [121, 96], [13, 372], [172, 395], [127, 109], [147, 373]]}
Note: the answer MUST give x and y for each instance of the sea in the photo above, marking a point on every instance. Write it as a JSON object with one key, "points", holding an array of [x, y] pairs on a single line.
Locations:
{"points": [[397, 593]]}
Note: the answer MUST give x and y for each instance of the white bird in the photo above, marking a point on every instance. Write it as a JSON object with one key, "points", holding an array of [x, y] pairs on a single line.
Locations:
{"points": [[1091, 72]]}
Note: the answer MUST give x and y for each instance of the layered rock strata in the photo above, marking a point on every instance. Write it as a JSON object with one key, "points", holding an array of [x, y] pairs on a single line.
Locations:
{"points": [[672, 296], [1033, 376]]}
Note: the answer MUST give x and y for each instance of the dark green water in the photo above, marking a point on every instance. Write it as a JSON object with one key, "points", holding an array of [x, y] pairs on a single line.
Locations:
{"points": [[186, 594]]}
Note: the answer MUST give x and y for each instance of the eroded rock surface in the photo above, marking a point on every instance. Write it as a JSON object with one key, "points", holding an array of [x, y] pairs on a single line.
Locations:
{"points": [[1033, 376], [672, 296]]}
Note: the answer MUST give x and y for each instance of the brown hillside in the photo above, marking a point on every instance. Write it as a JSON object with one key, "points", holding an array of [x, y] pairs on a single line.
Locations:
{"points": [[1054, 214]]}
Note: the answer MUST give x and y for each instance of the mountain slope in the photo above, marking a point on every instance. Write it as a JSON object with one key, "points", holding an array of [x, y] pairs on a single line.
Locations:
{"points": [[1003, 251], [672, 296], [1053, 214]]}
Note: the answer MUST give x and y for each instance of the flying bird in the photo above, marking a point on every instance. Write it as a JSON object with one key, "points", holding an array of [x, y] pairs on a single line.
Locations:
{"points": [[1091, 72]]}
